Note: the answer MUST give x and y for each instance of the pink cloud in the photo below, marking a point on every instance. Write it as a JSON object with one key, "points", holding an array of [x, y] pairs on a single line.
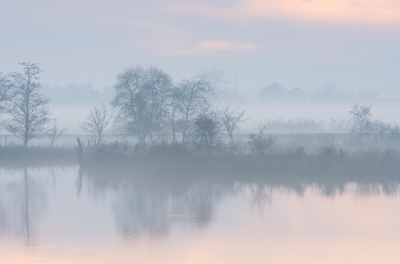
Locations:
{"points": [[373, 11], [171, 41], [215, 46]]}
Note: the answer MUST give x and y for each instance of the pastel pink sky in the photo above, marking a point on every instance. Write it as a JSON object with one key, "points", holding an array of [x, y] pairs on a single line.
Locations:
{"points": [[337, 11], [303, 43]]}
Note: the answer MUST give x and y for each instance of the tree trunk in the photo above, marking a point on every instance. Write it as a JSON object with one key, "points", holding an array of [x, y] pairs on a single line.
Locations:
{"points": [[231, 137], [173, 127], [185, 127]]}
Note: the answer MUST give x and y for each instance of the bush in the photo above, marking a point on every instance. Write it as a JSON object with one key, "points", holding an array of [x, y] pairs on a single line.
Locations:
{"points": [[259, 143]]}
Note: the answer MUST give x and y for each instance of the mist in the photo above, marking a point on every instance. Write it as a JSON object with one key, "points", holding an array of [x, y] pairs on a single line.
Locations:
{"points": [[246, 131], [70, 103]]}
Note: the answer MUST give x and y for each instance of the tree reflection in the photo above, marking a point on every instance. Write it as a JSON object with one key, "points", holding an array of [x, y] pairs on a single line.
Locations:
{"points": [[140, 211], [22, 201], [151, 203]]}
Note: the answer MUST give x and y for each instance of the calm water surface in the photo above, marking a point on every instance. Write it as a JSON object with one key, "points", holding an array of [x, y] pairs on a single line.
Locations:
{"points": [[53, 215]]}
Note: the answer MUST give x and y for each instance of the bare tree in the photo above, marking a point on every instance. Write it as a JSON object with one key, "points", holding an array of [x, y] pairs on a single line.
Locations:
{"points": [[54, 131], [176, 108], [194, 95], [5, 88], [361, 118], [28, 108], [216, 78], [158, 91], [230, 118], [142, 102], [97, 122], [259, 143], [205, 133]]}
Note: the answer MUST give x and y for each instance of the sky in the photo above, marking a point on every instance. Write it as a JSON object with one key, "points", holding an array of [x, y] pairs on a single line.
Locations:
{"points": [[298, 43]]}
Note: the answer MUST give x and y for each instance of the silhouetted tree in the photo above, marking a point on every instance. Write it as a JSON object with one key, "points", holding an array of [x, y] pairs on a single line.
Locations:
{"points": [[230, 118], [5, 89], [329, 92], [176, 110], [97, 122], [28, 108], [215, 77], [259, 143], [205, 133], [194, 96], [141, 101], [54, 131], [361, 118], [274, 91]]}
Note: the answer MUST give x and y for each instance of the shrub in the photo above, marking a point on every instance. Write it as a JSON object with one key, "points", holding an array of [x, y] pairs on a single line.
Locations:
{"points": [[259, 143]]}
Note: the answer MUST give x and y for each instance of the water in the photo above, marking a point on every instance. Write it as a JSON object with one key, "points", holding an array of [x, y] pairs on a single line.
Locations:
{"points": [[56, 215]]}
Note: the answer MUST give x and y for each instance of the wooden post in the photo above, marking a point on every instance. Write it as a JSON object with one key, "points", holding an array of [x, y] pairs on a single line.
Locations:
{"points": [[80, 151]]}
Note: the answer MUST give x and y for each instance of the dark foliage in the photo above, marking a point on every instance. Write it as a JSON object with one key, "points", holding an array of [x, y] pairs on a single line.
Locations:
{"points": [[205, 135]]}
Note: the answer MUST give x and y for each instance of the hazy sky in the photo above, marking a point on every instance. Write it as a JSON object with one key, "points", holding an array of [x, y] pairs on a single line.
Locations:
{"points": [[304, 43]]}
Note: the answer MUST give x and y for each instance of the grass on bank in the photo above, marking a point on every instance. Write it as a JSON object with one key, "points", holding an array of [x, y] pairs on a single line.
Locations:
{"points": [[282, 157]]}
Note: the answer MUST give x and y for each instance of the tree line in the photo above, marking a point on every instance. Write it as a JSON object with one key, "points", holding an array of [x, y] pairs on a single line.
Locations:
{"points": [[149, 105], [330, 92]]}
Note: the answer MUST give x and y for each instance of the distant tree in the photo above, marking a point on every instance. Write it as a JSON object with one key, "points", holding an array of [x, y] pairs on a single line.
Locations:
{"points": [[297, 93], [216, 78], [384, 130], [176, 109], [5, 89], [28, 107], [367, 93], [142, 101], [277, 92], [194, 96], [336, 125], [54, 131], [230, 118], [159, 90], [274, 91], [97, 122], [361, 118], [259, 143], [205, 133], [329, 92]]}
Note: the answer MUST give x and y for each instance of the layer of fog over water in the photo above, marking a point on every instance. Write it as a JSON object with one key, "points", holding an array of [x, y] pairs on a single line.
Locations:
{"points": [[71, 104], [70, 115], [59, 214]]}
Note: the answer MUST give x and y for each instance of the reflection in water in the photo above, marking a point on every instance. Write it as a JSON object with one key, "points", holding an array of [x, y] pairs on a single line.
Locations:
{"points": [[145, 211], [22, 201], [260, 195], [194, 218], [151, 204]]}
